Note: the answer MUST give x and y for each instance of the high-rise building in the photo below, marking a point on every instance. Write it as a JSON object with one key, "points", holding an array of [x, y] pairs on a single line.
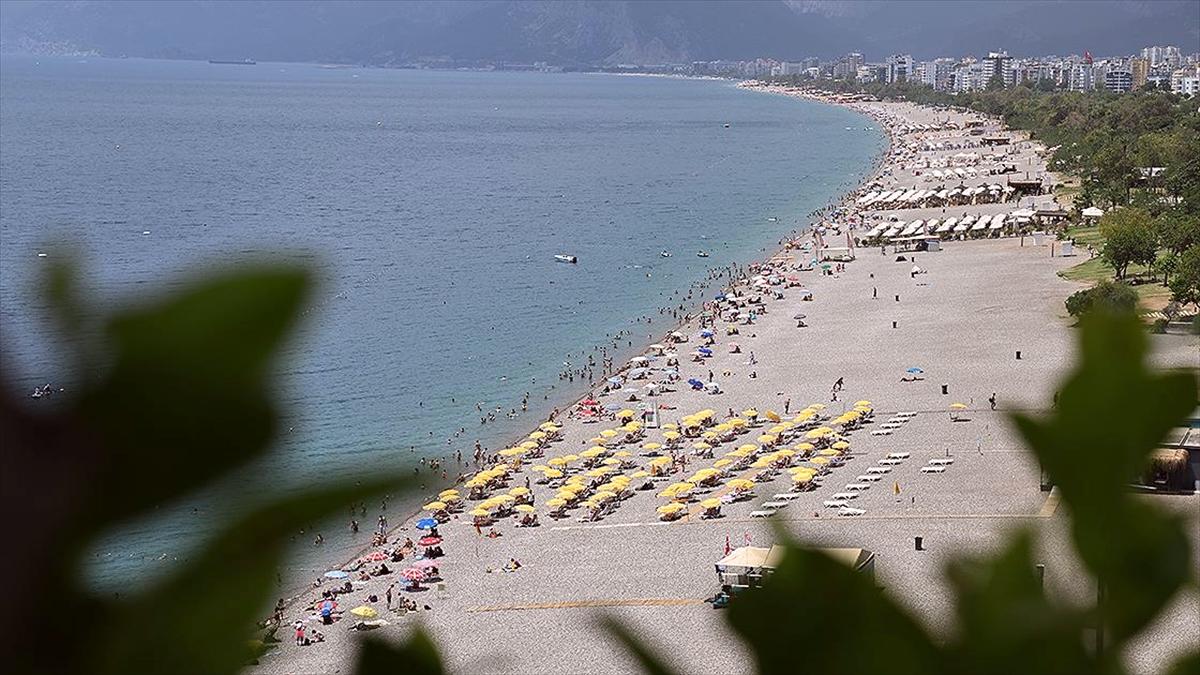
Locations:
{"points": [[998, 64], [1082, 77], [1139, 70], [1186, 81], [1119, 81], [899, 68]]}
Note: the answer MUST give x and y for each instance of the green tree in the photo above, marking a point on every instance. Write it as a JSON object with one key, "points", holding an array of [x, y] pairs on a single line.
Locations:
{"points": [[1129, 238], [1185, 285], [1112, 297]]}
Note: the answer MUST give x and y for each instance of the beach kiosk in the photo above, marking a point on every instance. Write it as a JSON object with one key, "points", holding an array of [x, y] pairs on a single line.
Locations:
{"points": [[747, 566]]}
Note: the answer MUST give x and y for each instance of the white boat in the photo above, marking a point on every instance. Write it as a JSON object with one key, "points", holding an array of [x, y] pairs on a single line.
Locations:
{"points": [[566, 258], [665, 254], [701, 254]]}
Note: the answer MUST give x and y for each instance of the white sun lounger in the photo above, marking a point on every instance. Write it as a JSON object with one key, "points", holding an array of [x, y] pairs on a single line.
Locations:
{"points": [[879, 469], [761, 514], [933, 469], [907, 414], [786, 496], [898, 455], [835, 503], [844, 495], [858, 486], [774, 505], [868, 477], [891, 462], [941, 461], [850, 511], [881, 432]]}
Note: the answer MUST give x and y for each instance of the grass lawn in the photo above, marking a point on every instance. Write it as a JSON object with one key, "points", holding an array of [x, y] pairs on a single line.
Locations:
{"points": [[1152, 296]]}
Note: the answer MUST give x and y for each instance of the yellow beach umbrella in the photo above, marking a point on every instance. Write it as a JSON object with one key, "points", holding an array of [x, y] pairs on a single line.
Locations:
{"points": [[611, 461], [840, 445], [736, 422], [741, 484], [622, 454], [721, 463], [762, 462], [750, 412], [481, 513], [802, 478], [711, 503], [767, 439], [671, 435], [556, 503], [626, 414], [608, 433], [820, 460], [537, 435], [571, 458], [451, 492], [701, 445], [593, 452], [671, 426], [528, 445], [435, 506], [772, 415], [958, 406], [364, 612], [649, 446], [557, 461], [519, 491], [640, 474], [548, 426], [552, 473], [863, 403], [673, 507], [525, 508], [829, 452]]}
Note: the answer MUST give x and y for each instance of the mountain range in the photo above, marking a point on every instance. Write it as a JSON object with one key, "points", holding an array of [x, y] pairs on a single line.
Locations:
{"points": [[589, 32]]}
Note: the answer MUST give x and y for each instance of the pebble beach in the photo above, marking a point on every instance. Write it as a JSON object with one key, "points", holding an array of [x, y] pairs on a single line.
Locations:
{"points": [[933, 347]]}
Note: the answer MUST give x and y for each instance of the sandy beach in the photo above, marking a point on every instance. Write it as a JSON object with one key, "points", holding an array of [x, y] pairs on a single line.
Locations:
{"points": [[908, 343]]}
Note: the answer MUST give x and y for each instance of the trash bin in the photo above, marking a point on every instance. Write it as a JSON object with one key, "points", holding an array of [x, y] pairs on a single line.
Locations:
{"points": [[945, 389], [918, 542]]}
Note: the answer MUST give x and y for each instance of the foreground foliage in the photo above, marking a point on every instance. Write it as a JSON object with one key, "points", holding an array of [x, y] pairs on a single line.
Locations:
{"points": [[174, 397], [1005, 622]]}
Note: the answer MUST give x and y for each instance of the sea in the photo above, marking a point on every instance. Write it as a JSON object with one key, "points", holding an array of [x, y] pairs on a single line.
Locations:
{"points": [[430, 204]]}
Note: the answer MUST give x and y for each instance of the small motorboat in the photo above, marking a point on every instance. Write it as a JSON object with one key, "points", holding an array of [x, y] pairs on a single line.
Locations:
{"points": [[665, 254], [701, 254], [566, 258], [727, 125]]}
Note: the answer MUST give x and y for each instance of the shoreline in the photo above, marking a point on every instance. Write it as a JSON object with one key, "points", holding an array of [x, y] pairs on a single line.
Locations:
{"points": [[411, 502]]}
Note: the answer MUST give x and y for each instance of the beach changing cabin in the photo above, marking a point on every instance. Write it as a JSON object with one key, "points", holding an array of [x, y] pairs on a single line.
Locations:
{"points": [[747, 566]]}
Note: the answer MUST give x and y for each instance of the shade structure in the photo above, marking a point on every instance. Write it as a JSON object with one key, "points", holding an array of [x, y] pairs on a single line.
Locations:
{"points": [[626, 414], [429, 541], [427, 523], [435, 506], [364, 612], [674, 507], [448, 493], [525, 508], [519, 491], [712, 503], [840, 445], [741, 484], [413, 573], [481, 513]]}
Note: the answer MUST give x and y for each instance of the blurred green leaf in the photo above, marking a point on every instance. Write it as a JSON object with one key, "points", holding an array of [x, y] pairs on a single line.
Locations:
{"points": [[186, 398], [1188, 665], [1006, 625], [816, 611], [650, 662], [198, 619], [1112, 413], [417, 656]]}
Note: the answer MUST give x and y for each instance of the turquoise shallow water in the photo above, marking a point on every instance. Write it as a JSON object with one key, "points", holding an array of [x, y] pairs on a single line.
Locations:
{"points": [[433, 203]]}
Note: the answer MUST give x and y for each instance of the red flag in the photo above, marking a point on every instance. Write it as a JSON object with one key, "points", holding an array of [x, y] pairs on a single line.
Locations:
{"points": [[728, 548]]}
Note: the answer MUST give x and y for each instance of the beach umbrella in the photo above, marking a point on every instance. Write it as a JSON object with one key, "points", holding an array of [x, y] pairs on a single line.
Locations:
{"points": [[448, 493], [336, 574], [721, 463], [863, 403], [611, 461], [772, 415], [424, 564], [829, 452], [435, 506], [429, 541], [608, 433], [552, 473], [651, 446], [525, 508], [413, 573], [537, 435], [427, 524], [840, 445], [706, 333], [819, 460], [741, 484], [364, 612], [674, 507], [713, 503], [802, 477], [519, 491], [751, 412], [625, 414], [375, 556], [625, 453], [914, 371], [640, 474], [701, 445], [958, 406], [481, 513], [705, 351], [556, 503]]}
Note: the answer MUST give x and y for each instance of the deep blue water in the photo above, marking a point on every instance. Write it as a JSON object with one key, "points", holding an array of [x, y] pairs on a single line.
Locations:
{"points": [[433, 203]]}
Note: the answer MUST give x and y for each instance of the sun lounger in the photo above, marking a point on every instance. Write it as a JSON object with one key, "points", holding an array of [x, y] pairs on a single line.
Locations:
{"points": [[867, 477], [941, 461], [850, 511], [858, 486], [891, 462], [835, 503], [933, 469], [761, 514], [786, 496], [774, 505], [879, 469], [907, 414], [898, 455], [844, 495], [881, 432]]}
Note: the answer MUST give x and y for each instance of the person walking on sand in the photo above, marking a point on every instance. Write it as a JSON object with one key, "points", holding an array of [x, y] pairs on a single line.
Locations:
{"points": [[388, 595], [874, 292], [992, 400]]}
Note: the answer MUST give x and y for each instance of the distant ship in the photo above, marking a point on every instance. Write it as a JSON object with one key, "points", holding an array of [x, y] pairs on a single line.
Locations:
{"points": [[243, 62], [566, 258]]}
